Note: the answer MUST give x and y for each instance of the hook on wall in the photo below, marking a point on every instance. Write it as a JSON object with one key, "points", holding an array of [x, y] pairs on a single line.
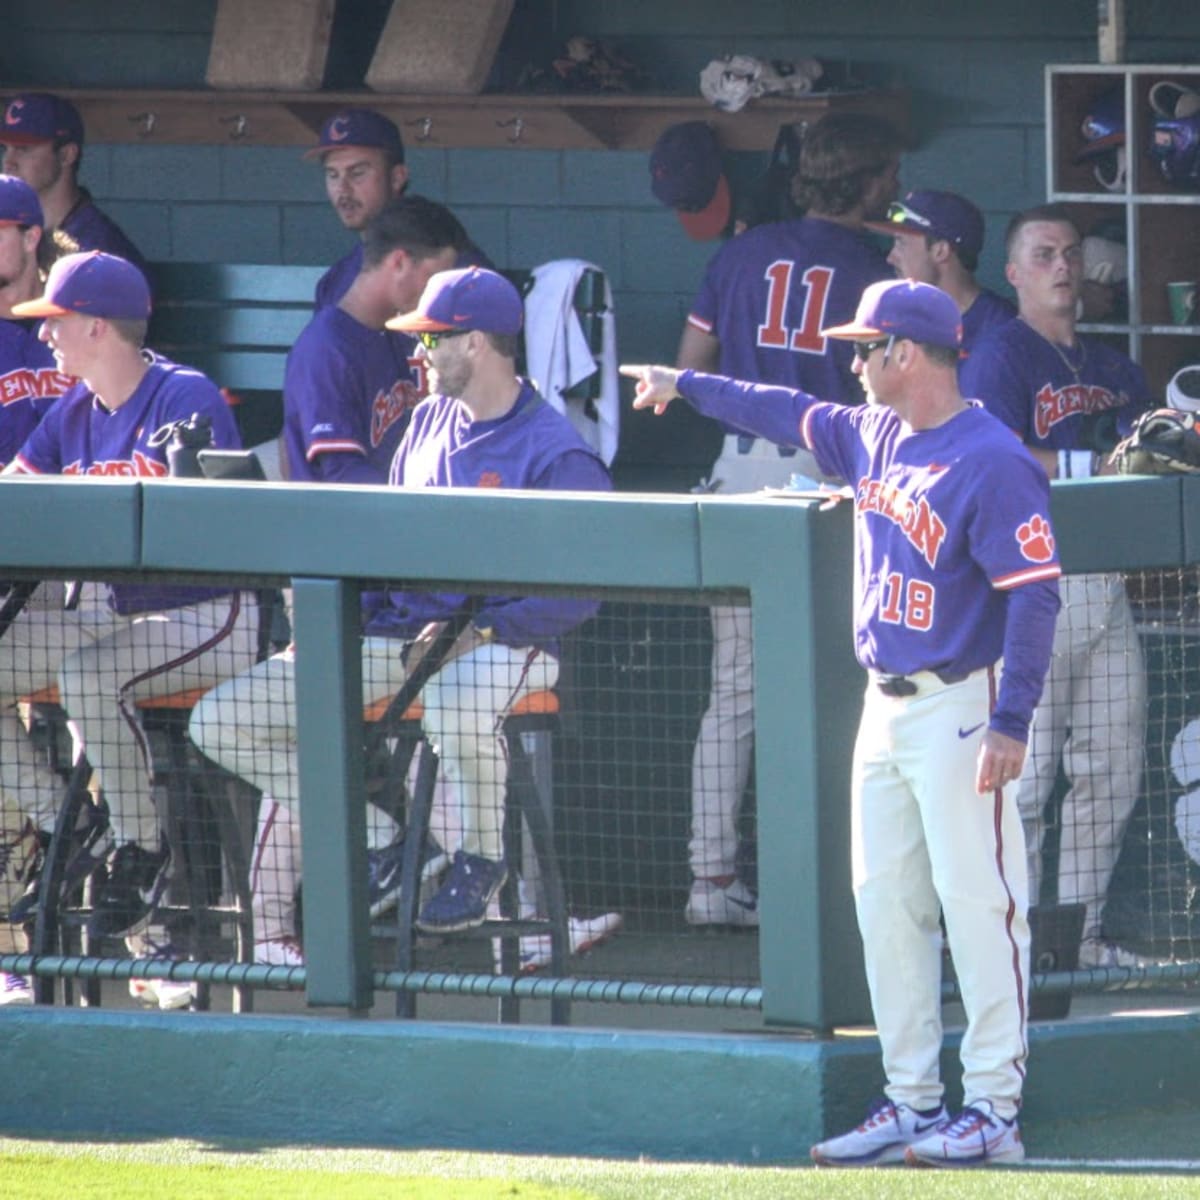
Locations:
{"points": [[239, 123], [516, 124], [424, 128], [146, 120]]}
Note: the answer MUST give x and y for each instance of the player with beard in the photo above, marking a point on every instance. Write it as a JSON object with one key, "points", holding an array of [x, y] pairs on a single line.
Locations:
{"points": [[482, 426], [362, 154]]}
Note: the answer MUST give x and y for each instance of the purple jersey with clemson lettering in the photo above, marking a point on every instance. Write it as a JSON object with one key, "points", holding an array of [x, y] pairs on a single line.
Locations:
{"points": [[949, 521], [1045, 398], [79, 436], [531, 447], [769, 292], [348, 393], [29, 383]]}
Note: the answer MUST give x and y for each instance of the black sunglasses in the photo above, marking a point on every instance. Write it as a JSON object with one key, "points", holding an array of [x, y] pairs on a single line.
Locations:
{"points": [[864, 350], [430, 340]]}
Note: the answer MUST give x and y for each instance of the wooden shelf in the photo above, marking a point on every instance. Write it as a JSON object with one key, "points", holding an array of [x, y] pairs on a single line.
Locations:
{"points": [[539, 122], [1161, 222]]}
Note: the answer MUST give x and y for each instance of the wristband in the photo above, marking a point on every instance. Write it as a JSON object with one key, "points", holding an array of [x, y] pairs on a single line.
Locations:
{"points": [[1075, 464]]}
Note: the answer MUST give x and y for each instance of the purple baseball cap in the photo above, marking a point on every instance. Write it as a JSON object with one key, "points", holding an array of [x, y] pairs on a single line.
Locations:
{"points": [[903, 308], [95, 284], [686, 175], [469, 298], [359, 127], [19, 203], [35, 117], [939, 215]]}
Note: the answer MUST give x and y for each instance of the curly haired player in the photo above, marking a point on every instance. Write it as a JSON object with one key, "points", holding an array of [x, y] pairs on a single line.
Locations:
{"points": [[955, 569]]}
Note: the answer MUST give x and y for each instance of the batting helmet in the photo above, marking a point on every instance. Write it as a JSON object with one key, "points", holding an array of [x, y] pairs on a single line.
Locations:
{"points": [[1103, 132], [1176, 133]]}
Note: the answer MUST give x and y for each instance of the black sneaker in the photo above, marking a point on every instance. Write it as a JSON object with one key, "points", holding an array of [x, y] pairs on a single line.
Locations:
{"points": [[137, 879], [94, 845]]}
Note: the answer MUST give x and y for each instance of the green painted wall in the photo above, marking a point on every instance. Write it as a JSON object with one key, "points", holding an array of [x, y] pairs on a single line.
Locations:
{"points": [[974, 70]]}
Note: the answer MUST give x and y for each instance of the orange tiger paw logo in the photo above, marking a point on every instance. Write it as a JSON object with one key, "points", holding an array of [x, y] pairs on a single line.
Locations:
{"points": [[1036, 539]]}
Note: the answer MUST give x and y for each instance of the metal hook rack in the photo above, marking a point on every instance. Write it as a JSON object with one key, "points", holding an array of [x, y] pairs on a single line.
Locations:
{"points": [[517, 125], [424, 128], [240, 125]]}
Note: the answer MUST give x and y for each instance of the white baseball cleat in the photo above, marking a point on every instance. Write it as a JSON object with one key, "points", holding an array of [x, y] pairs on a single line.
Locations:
{"points": [[584, 933], [711, 904], [15, 989], [976, 1137], [883, 1137]]}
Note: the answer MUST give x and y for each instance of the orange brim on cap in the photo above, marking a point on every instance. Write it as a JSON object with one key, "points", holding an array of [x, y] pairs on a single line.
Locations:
{"points": [[41, 307], [853, 332], [710, 221], [415, 322]]}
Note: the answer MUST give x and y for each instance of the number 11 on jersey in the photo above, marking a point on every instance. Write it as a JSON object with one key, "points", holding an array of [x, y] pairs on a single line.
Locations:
{"points": [[807, 337]]}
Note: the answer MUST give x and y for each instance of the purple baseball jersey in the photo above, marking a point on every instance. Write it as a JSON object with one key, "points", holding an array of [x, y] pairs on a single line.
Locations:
{"points": [[950, 522], [987, 311], [531, 446], [29, 384], [768, 293], [79, 436], [1046, 393], [335, 283], [348, 392], [93, 230]]}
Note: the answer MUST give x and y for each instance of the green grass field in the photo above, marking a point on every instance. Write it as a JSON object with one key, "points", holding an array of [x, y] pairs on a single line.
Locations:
{"points": [[77, 1170]]}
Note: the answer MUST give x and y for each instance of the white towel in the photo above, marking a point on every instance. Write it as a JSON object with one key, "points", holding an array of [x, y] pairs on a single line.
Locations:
{"points": [[557, 354]]}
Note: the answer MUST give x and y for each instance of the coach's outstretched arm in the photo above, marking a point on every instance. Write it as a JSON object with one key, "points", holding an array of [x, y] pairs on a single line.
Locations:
{"points": [[655, 385]]}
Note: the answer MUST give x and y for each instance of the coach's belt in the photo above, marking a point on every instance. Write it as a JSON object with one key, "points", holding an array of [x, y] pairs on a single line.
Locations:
{"points": [[745, 443], [903, 685]]}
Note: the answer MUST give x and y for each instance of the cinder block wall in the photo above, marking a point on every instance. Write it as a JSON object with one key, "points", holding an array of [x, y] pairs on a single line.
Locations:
{"points": [[974, 71]]}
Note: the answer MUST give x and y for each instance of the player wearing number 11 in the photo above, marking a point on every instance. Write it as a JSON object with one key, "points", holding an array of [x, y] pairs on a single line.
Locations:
{"points": [[765, 299], [955, 570]]}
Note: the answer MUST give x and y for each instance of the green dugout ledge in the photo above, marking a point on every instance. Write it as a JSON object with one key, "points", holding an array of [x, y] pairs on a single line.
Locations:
{"points": [[337, 1080]]}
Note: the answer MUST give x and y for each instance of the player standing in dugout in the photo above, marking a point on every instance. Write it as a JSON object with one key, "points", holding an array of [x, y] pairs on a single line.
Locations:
{"points": [[955, 571]]}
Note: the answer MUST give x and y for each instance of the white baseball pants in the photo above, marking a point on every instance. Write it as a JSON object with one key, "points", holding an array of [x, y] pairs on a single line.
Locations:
{"points": [[1092, 715], [925, 845]]}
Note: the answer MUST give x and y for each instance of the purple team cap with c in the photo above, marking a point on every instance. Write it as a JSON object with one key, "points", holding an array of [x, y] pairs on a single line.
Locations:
{"points": [[468, 298], [94, 284], [40, 117], [686, 175], [943, 215], [359, 127], [903, 308], [19, 203]]}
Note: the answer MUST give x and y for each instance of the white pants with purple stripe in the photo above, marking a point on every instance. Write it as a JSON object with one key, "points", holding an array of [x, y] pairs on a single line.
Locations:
{"points": [[725, 742], [99, 659], [925, 845], [248, 725]]}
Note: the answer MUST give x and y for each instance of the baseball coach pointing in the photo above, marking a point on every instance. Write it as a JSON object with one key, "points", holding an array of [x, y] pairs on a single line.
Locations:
{"points": [[955, 574]]}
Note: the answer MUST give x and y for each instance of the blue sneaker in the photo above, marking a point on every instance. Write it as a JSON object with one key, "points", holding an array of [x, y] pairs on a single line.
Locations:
{"points": [[462, 901], [383, 872]]}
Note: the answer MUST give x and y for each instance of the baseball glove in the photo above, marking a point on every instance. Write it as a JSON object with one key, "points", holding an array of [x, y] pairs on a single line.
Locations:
{"points": [[1164, 441]]}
